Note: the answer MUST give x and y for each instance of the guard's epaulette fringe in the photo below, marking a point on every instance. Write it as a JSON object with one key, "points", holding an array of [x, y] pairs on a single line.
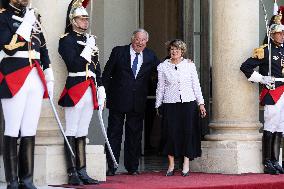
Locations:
{"points": [[64, 35], [259, 52]]}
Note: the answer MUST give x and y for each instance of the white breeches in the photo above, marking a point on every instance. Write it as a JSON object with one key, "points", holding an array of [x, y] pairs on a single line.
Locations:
{"points": [[22, 111], [274, 116], [78, 118]]}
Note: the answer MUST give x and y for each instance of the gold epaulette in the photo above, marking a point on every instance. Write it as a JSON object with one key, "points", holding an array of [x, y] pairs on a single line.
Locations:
{"points": [[2, 10], [259, 52], [64, 35]]}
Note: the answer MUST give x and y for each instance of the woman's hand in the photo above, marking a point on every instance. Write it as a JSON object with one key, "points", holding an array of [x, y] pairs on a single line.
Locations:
{"points": [[202, 110], [159, 111]]}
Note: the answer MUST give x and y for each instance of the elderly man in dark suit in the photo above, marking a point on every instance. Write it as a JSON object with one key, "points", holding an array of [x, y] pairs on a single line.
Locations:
{"points": [[125, 78]]}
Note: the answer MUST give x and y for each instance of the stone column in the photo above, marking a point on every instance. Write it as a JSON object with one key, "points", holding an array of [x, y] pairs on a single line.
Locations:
{"points": [[234, 144]]}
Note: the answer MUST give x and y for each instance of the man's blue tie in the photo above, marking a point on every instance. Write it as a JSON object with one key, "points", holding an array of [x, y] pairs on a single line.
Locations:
{"points": [[134, 65]]}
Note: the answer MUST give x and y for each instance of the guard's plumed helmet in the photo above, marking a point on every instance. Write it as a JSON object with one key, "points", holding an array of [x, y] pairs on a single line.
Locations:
{"points": [[76, 8], [277, 26], [274, 28]]}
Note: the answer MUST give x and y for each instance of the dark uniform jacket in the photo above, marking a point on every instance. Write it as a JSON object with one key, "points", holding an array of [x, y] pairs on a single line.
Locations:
{"points": [[14, 69], [261, 59], [75, 87], [125, 93]]}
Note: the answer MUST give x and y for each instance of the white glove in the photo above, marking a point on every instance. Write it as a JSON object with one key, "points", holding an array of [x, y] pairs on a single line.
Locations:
{"points": [[26, 26], [268, 81], [91, 41], [48, 73], [101, 97], [87, 53], [50, 87]]}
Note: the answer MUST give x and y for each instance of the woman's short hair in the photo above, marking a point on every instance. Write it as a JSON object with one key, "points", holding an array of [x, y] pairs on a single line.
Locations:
{"points": [[178, 44]]}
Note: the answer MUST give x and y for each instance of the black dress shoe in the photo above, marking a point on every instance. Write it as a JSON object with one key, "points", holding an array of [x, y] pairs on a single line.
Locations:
{"points": [[73, 179], [27, 183], [85, 178], [169, 173], [133, 173], [13, 184], [269, 168], [278, 167], [185, 174], [110, 173]]}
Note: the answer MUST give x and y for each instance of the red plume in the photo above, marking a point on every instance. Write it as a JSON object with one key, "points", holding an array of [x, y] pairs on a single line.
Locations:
{"points": [[85, 3], [281, 9]]}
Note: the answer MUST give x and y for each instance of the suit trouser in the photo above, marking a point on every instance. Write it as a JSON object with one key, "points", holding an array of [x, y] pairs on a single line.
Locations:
{"points": [[22, 111], [133, 137]]}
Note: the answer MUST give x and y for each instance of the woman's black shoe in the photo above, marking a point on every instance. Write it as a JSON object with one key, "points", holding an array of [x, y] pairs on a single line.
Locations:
{"points": [[169, 173], [185, 174]]}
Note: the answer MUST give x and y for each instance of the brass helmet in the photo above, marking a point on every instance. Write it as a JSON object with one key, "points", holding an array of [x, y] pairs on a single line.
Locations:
{"points": [[274, 28], [276, 25], [76, 8]]}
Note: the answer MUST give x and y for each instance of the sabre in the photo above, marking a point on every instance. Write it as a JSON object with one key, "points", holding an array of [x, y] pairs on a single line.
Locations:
{"points": [[105, 136], [60, 126], [100, 109], [268, 41], [50, 100], [268, 36]]}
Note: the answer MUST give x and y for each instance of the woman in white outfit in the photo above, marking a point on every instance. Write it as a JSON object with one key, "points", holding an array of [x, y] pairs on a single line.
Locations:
{"points": [[180, 93]]}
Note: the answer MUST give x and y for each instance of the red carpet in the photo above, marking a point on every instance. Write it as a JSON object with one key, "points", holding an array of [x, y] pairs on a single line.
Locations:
{"points": [[151, 180]]}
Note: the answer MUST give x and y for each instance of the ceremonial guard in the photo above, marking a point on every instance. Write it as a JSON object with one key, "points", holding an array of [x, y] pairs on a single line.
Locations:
{"points": [[271, 76], [25, 79], [83, 92]]}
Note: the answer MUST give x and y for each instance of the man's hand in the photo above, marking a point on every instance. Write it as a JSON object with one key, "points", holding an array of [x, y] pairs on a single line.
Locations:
{"points": [[26, 26], [101, 97], [50, 89], [91, 41], [268, 81]]}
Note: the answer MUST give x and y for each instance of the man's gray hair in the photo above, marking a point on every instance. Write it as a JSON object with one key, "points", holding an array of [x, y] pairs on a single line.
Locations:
{"points": [[140, 30]]}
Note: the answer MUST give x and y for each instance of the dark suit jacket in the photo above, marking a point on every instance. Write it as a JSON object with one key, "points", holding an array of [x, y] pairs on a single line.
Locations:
{"points": [[124, 92]]}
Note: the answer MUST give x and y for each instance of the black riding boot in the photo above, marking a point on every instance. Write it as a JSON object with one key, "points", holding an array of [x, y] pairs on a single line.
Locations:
{"points": [[26, 162], [73, 177], [81, 161], [276, 151], [267, 140], [10, 158]]}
